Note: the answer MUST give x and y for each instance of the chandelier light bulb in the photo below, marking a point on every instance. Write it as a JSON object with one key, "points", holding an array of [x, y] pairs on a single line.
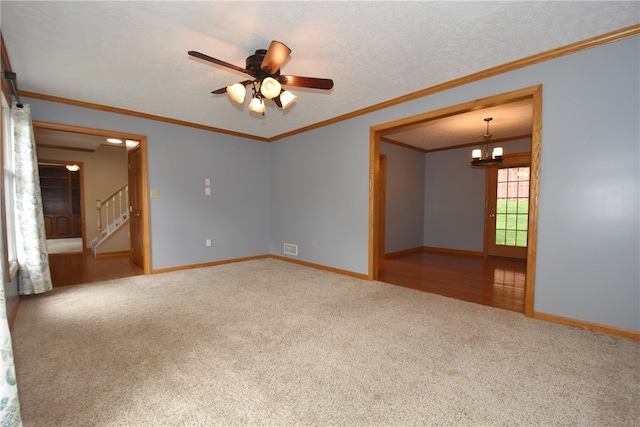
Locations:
{"points": [[237, 92], [476, 153], [256, 105], [270, 88], [287, 98]]}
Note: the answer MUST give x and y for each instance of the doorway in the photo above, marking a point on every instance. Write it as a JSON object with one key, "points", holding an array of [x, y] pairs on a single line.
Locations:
{"points": [[76, 136], [534, 94], [507, 213], [62, 191]]}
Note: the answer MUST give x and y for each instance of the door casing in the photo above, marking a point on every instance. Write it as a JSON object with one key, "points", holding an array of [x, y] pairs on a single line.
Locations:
{"points": [[534, 93], [143, 184]]}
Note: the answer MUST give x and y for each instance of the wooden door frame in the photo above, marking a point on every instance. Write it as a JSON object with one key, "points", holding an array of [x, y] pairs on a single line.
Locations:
{"points": [[509, 160], [382, 205], [146, 250], [534, 93]]}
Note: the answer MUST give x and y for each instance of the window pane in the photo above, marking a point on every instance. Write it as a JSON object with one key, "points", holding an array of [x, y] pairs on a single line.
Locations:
{"points": [[501, 206], [501, 221], [500, 234], [523, 221], [512, 221], [521, 239], [510, 238]]}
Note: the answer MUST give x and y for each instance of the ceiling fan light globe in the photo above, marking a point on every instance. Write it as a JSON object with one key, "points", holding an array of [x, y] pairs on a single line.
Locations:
{"points": [[270, 88], [237, 92], [256, 105], [287, 98]]}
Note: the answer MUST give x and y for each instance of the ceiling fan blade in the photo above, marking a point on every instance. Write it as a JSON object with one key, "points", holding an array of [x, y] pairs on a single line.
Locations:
{"points": [[216, 61], [310, 82], [275, 57], [224, 89]]}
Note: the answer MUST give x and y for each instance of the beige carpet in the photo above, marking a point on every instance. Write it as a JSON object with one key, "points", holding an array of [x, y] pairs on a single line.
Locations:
{"points": [[267, 342]]}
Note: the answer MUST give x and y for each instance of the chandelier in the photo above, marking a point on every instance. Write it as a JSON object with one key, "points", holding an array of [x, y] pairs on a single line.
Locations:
{"points": [[487, 154], [268, 88]]}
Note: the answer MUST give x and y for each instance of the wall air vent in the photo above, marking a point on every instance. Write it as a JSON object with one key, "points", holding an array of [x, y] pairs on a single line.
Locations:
{"points": [[290, 249]]}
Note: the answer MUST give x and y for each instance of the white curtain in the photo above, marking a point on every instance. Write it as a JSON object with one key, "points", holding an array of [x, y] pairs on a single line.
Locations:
{"points": [[9, 403], [34, 276]]}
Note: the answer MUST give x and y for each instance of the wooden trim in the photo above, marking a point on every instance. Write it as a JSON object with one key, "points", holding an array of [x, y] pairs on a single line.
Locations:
{"points": [[533, 92], [207, 264], [491, 101], [475, 144], [321, 267], [596, 327], [402, 144], [35, 95], [452, 147], [491, 178], [382, 205], [278, 257], [405, 252], [14, 311], [86, 130], [452, 251], [374, 218], [534, 195], [146, 237], [57, 147], [114, 254], [569, 49], [4, 56], [146, 233]]}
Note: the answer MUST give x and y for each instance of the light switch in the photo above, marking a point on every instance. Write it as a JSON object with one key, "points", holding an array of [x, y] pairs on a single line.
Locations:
{"points": [[207, 191], [155, 194], [207, 181]]}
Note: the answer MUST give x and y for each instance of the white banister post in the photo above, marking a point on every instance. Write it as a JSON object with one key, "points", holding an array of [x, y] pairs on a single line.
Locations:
{"points": [[98, 208]]}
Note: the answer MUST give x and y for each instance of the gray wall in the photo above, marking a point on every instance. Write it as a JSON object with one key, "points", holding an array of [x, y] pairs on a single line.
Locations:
{"points": [[588, 228], [234, 217], [315, 186], [404, 198], [103, 171], [454, 198]]}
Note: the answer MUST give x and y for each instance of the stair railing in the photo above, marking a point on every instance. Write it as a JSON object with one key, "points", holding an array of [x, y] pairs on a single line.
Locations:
{"points": [[111, 214]]}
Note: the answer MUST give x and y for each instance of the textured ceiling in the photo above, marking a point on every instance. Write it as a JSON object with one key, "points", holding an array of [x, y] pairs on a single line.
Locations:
{"points": [[133, 54]]}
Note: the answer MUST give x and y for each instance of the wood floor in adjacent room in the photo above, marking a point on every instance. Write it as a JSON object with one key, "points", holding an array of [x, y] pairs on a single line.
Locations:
{"points": [[496, 282], [81, 267]]}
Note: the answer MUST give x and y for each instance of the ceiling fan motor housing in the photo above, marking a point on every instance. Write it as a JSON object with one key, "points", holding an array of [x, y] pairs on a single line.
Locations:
{"points": [[253, 66]]}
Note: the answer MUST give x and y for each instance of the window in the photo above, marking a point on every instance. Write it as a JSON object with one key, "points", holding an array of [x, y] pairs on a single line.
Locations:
{"points": [[9, 235], [512, 206]]}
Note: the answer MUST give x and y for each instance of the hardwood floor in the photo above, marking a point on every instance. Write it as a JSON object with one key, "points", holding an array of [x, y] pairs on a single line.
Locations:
{"points": [[80, 267], [496, 282]]}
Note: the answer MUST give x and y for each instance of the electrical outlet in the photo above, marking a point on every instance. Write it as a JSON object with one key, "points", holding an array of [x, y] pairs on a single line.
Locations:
{"points": [[208, 242], [207, 191], [207, 182]]}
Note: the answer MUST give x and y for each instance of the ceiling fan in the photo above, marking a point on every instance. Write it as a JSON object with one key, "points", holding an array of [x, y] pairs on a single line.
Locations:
{"points": [[266, 80]]}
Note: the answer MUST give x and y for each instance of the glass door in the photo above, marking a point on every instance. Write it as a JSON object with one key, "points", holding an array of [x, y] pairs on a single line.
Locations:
{"points": [[507, 216]]}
